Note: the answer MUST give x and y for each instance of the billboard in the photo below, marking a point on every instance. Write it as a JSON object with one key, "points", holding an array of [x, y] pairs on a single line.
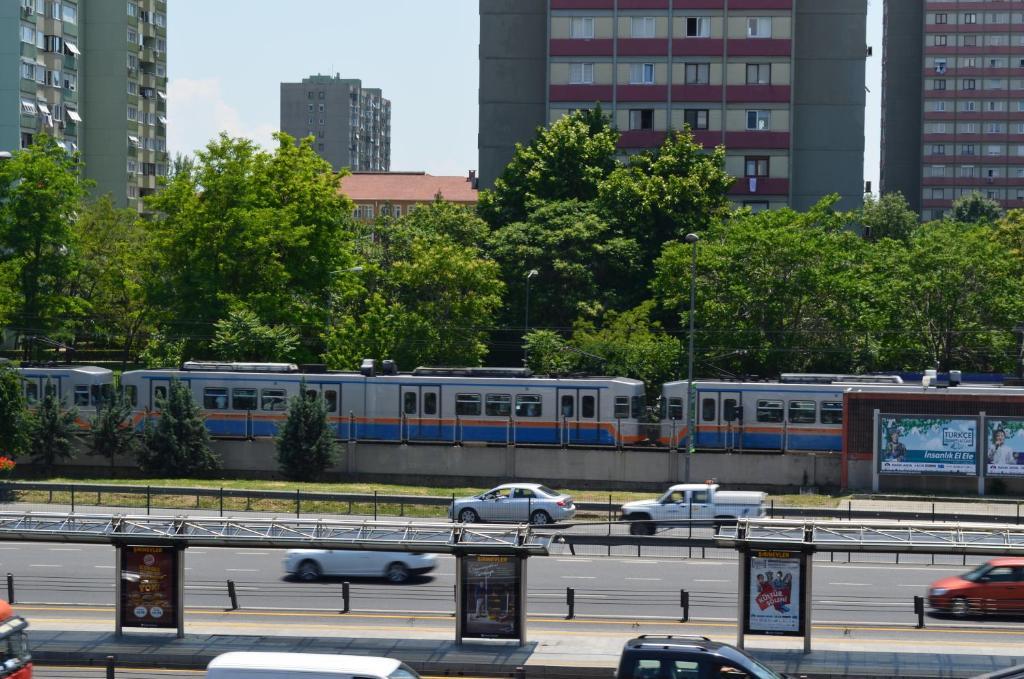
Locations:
{"points": [[491, 596], [149, 586], [775, 593], [914, 444], [1004, 446]]}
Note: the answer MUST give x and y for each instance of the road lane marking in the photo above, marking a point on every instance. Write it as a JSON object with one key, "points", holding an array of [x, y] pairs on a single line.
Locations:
{"points": [[650, 579], [712, 580], [45, 565], [850, 584], [579, 577], [65, 549], [103, 566], [573, 560], [253, 553], [243, 570]]}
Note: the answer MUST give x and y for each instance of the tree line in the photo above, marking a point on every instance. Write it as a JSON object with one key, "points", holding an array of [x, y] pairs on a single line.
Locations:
{"points": [[254, 255]]}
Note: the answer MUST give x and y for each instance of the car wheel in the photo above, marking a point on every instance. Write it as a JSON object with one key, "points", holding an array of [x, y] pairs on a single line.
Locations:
{"points": [[468, 516], [540, 518], [397, 572], [960, 607], [309, 571]]}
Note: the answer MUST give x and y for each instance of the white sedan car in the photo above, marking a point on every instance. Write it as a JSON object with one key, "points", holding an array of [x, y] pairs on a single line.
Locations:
{"points": [[518, 502], [311, 564]]}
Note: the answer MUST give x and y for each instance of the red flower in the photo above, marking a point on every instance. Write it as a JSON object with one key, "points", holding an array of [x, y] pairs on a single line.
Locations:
{"points": [[6, 463]]}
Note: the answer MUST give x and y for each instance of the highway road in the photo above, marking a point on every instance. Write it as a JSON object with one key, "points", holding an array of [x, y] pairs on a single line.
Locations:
{"points": [[617, 587]]}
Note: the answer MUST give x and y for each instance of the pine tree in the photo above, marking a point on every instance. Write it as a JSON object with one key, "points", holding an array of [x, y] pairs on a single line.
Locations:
{"points": [[305, 443], [52, 430], [178, 444], [112, 431], [14, 417]]}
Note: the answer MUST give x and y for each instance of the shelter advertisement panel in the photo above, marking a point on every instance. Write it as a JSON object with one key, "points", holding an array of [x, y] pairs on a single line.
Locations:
{"points": [[1004, 446], [149, 586], [912, 444], [491, 595], [775, 593]]}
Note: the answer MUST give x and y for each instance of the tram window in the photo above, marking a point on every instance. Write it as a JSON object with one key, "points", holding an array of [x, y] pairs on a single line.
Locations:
{"points": [[467, 404], [802, 412], [81, 394], [215, 398], [831, 412], [273, 399], [430, 403], [675, 408], [409, 403], [769, 411], [311, 394], [707, 409], [243, 399], [50, 389], [587, 408], [159, 394], [106, 393], [499, 405], [131, 394], [729, 410], [621, 406], [31, 392], [331, 399], [639, 406], [568, 405], [528, 405]]}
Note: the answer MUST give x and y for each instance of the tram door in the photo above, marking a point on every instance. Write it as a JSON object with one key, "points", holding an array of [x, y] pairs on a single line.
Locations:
{"points": [[717, 420], [421, 413], [158, 392], [577, 413]]}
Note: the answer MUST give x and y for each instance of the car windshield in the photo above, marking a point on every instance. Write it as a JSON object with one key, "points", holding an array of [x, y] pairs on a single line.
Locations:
{"points": [[548, 491], [977, 573], [403, 671]]}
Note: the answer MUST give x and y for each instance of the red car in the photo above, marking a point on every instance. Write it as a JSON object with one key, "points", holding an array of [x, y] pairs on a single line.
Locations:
{"points": [[994, 587]]}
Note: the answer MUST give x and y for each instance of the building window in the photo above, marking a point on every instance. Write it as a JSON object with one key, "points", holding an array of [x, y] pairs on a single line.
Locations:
{"points": [[133, 36], [133, 113], [759, 120], [698, 27], [53, 79], [970, 18], [133, 62], [941, 18], [159, 19], [28, 34], [698, 74], [939, 40], [28, 107], [54, 43], [641, 119], [641, 74], [756, 206], [581, 28], [939, 84], [70, 81], [759, 27], [938, 150], [28, 70], [133, 88], [581, 74], [970, 41], [641, 27], [69, 13], [320, 95], [755, 166], [696, 118], [759, 74]]}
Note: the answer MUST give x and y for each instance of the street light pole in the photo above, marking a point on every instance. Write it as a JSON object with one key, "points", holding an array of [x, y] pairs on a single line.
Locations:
{"points": [[526, 319], [692, 239]]}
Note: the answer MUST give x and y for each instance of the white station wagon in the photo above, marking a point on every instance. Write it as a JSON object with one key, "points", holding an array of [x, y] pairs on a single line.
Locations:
{"points": [[518, 502], [311, 564]]}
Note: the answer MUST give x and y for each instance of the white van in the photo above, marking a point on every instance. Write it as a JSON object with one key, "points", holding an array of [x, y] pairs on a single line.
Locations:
{"points": [[245, 664]]}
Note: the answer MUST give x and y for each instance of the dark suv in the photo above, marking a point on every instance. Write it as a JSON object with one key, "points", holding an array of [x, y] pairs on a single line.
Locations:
{"points": [[684, 657]]}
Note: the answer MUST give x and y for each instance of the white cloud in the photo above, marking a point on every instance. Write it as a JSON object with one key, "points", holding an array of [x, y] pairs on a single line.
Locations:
{"points": [[198, 112]]}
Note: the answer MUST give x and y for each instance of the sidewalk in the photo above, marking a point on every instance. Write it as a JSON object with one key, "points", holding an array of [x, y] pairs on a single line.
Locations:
{"points": [[562, 653]]}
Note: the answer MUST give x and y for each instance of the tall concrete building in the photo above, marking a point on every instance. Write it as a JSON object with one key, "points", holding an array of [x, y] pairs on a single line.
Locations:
{"points": [[779, 82], [953, 102], [351, 124], [92, 74]]}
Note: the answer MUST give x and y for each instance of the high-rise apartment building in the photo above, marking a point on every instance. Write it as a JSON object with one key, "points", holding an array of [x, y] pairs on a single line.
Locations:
{"points": [[779, 82], [351, 124], [953, 102], [93, 75]]}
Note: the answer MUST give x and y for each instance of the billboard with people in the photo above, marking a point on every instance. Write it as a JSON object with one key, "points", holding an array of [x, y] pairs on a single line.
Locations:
{"points": [[1004, 446], [775, 588], [914, 444]]}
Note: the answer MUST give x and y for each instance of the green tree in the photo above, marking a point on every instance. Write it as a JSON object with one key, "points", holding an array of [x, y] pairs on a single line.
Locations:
{"points": [[242, 337], [888, 216], [112, 433], [974, 208], [178, 444], [305, 442], [548, 353], [109, 281], [51, 430], [14, 417], [582, 264], [244, 226], [40, 193], [456, 222], [567, 160]]}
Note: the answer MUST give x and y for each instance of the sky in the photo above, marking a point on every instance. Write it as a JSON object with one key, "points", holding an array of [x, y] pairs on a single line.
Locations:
{"points": [[227, 58]]}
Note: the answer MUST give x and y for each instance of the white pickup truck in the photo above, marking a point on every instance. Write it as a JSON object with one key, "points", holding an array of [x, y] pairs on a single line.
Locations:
{"points": [[692, 501]]}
